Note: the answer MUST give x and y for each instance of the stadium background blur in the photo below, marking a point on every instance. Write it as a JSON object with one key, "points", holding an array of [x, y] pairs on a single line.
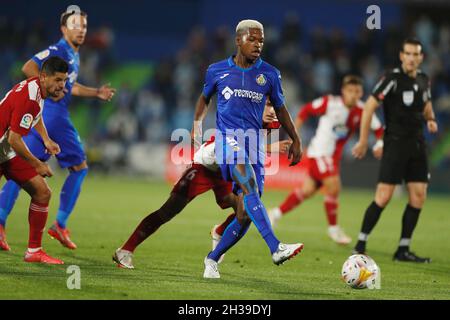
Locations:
{"points": [[156, 54]]}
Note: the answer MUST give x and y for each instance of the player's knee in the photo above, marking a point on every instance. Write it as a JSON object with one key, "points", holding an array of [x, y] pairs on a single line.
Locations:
{"points": [[253, 185], [417, 199], [382, 199], [83, 168], [333, 192], [244, 220], [223, 204], [305, 193], [43, 194]]}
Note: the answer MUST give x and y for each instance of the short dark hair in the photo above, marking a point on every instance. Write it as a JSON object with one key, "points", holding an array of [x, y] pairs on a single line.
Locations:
{"points": [[54, 64], [413, 41], [352, 79], [65, 15]]}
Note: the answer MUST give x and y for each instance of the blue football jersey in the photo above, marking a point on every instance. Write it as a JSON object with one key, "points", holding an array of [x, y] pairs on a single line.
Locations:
{"points": [[242, 93], [63, 50], [241, 98]]}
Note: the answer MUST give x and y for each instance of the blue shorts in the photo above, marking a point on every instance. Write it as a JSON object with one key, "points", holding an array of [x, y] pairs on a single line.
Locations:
{"points": [[62, 131], [232, 155]]}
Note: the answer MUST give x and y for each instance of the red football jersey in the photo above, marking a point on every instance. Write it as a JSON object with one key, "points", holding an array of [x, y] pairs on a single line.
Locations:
{"points": [[21, 108]]}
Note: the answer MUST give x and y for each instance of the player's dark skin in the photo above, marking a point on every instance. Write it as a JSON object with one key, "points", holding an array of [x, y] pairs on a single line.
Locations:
{"points": [[249, 47]]}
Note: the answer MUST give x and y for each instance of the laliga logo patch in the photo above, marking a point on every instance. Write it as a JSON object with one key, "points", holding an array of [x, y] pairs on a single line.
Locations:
{"points": [[261, 79], [26, 121], [43, 54]]}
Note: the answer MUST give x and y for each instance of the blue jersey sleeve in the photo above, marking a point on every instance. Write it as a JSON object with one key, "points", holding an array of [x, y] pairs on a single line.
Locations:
{"points": [[51, 51], [276, 93], [209, 88]]}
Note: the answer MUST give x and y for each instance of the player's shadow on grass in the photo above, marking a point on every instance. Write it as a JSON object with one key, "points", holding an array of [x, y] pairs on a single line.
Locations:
{"points": [[261, 286]]}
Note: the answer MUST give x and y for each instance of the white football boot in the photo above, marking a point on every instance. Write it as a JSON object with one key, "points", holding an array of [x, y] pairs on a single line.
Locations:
{"points": [[286, 252], [338, 235], [123, 258], [274, 216], [211, 269], [215, 241]]}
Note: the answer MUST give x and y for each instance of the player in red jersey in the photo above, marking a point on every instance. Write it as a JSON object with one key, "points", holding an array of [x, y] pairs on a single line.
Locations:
{"points": [[339, 118], [201, 176], [20, 110]]}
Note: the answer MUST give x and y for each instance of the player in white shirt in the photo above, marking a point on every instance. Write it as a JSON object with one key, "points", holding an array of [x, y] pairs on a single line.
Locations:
{"points": [[339, 118]]}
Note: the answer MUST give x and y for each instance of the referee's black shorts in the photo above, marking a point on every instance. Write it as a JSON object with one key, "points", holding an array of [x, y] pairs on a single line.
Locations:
{"points": [[404, 159]]}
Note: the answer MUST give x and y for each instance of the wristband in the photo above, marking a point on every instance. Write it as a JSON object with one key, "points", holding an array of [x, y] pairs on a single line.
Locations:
{"points": [[378, 144]]}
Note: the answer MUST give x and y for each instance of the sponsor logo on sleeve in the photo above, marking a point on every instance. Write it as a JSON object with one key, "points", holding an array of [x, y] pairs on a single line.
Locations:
{"points": [[43, 54]]}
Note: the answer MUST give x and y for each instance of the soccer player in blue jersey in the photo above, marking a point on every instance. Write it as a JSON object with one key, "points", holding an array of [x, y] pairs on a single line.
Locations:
{"points": [[60, 128], [242, 84]]}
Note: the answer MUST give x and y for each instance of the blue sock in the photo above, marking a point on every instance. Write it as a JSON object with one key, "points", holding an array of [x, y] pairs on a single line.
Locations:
{"points": [[8, 197], [232, 234], [69, 195], [257, 212]]}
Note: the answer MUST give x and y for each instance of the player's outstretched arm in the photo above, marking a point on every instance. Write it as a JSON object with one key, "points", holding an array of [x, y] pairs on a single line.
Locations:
{"points": [[30, 69], [105, 92], [360, 149], [201, 109], [295, 150]]}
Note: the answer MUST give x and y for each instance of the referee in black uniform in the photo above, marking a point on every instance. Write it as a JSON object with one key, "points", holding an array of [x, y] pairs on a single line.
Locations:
{"points": [[405, 94]]}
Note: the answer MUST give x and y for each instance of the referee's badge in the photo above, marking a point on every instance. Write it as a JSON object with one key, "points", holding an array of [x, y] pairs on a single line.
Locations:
{"points": [[408, 97], [261, 79]]}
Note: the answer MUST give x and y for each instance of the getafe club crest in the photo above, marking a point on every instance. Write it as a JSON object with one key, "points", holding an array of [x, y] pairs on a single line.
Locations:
{"points": [[261, 79]]}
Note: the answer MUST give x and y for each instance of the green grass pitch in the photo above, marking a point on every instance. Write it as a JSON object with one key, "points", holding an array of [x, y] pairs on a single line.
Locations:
{"points": [[169, 265]]}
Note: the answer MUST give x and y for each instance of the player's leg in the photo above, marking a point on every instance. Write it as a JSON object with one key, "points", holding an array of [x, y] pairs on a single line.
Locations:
{"points": [[294, 199], [72, 156], [8, 197], [26, 176], [225, 199], [235, 230], [11, 190], [332, 189], [383, 195], [392, 172], [174, 205], [251, 184], [68, 197], [417, 194], [70, 192], [417, 178], [193, 182]]}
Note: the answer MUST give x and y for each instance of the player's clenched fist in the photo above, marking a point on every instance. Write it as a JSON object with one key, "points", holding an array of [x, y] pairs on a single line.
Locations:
{"points": [[295, 153], [52, 147]]}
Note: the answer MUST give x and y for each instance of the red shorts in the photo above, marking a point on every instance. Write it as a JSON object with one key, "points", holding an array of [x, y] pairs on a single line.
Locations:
{"points": [[197, 180], [322, 167], [18, 170]]}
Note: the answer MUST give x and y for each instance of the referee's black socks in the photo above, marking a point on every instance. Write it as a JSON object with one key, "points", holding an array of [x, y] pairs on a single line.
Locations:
{"points": [[371, 218], [409, 222]]}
